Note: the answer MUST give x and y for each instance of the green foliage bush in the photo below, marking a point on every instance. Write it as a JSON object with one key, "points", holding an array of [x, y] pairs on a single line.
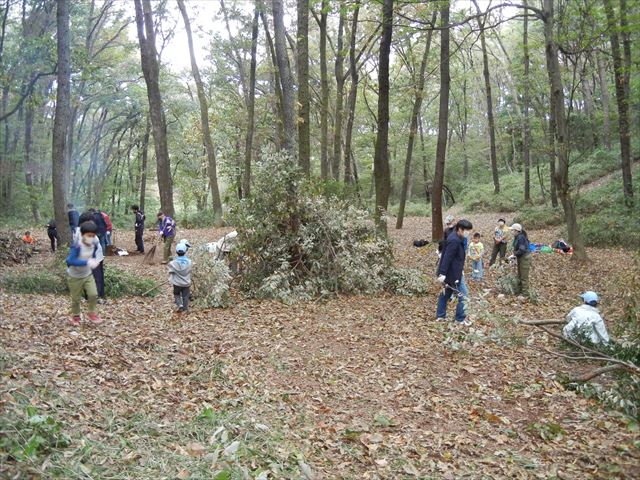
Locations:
{"points": [[300, 242], [118, 283], [413, 209], [211, 278]]}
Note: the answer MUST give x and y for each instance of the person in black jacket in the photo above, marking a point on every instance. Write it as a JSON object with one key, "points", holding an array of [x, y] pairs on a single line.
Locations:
{"points": [[52, 233], [139, 227], [450, 271], [522, 254]]}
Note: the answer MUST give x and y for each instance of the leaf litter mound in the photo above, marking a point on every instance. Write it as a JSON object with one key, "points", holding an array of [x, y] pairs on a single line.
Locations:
{"points": [[353, 387]]}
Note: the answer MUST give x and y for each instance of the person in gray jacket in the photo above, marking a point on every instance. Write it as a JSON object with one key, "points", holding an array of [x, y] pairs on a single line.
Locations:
{"points": [[180, 277]]}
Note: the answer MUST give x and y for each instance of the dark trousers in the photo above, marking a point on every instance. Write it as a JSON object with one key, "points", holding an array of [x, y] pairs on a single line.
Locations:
{"points": [[139, 241], [498, 248], [181, 297], [98, 275], [53, 237]]}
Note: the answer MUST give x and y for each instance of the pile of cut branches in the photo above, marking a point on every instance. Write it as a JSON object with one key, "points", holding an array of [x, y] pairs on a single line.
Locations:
{"points": [[12, 249]]}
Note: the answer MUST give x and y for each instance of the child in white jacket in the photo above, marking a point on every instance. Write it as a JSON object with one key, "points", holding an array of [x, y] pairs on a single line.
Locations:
{"points": [[586, 320]]}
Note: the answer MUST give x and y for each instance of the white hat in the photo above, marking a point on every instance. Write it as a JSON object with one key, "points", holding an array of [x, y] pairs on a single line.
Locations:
{"points": [[516, 226], [449, 219]]}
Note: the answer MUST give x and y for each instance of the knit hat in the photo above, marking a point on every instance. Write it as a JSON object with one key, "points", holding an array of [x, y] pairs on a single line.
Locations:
{"points": [[88, 227]]}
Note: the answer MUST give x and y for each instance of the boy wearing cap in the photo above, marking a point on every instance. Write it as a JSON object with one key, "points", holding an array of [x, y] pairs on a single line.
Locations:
{"points": [[180, 277], [586, 321], [522, 254], [84, 256], [499, 242]]}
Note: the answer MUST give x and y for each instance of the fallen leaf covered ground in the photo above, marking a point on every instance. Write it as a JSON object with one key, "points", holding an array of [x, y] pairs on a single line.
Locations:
{"points": [[354, 387]]}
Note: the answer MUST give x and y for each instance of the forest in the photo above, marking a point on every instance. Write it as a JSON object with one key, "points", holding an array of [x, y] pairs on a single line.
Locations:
{"points": [[346, 143]]}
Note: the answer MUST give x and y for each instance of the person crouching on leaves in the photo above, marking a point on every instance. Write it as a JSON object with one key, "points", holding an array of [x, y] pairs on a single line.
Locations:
{"points": [[522, 254], [83, 257], [450, 271], [180, 277], [585, 321]]}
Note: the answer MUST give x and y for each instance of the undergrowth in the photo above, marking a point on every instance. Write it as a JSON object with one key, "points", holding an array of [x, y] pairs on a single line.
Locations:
{"points": [[118, 283]]}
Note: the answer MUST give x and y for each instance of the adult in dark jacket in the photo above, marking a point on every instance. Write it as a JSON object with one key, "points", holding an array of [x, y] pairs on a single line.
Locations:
{"points": [[74, 218], [100, 222], [450, 270], [139, 227], [522, 254], [52, 233]]}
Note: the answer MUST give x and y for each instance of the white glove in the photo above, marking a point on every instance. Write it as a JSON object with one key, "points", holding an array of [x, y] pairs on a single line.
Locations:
{"points": [[511, 257], [92, 263], [441, 278]]}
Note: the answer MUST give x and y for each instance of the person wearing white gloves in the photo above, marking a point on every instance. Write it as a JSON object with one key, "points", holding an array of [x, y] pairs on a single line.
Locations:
{"points": [[450, 271], [585, 321], [84, 256]]}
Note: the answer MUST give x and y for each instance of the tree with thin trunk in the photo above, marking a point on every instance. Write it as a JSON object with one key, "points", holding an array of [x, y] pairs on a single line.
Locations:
{"points": [[324, 94], [302, 51], [336, 159], [286, 79], [349, 165], [487, 88], [621, 72], [251, 103], [61, 120], [151, 71], [204, 120], [413, 130], [143, 167], [381, 158], [557, 106], [526, 132], [605, 100], [443, 122]]}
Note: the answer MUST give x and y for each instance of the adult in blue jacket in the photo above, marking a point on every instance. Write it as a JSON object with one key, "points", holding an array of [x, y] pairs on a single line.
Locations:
{"points": [[450, 271]]}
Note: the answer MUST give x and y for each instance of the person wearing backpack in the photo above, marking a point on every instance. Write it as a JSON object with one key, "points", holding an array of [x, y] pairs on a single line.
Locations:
{"points": [[139, 227], [167, 230]]}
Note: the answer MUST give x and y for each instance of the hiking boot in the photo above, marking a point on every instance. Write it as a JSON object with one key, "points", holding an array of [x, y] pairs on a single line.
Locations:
{"points": [[75, 320], [93, 318]]}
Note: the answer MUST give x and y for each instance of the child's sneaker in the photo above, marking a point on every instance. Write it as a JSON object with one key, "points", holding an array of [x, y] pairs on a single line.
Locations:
{"points": [[93, 318], [75, 320]]}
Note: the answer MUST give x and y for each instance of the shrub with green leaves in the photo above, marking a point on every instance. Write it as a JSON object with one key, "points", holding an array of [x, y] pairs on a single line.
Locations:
{"points": [[118, 283], [211, 279], [298, 242]]}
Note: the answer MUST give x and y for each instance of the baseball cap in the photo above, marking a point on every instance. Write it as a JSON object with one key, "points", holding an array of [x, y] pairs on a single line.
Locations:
{"points": [[590, 296]]}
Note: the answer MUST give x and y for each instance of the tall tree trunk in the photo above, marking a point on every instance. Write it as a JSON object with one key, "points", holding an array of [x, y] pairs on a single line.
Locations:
{"points": [[417, 105], [605, 99], [302, 51], [336, 159], [288, 99], [381, 159], [349, 162], [151, 71], [622, 99], [276, 84], [526, 132], [204, 120], [143, 169], [557, 106], [443, 122], [30, 167], [487, 88], [587, 95], [251, 102], [61, 120], [324, 94]]}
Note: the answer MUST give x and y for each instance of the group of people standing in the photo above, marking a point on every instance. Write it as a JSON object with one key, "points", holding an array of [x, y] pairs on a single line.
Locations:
{"points": [[453, 250]]}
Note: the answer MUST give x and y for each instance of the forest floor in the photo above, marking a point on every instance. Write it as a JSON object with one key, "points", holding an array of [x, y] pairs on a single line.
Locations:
{"points": [[354, 387]]}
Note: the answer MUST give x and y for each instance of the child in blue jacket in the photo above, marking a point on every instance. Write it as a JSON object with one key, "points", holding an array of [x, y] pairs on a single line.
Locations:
{"points": [[84, 256]]}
